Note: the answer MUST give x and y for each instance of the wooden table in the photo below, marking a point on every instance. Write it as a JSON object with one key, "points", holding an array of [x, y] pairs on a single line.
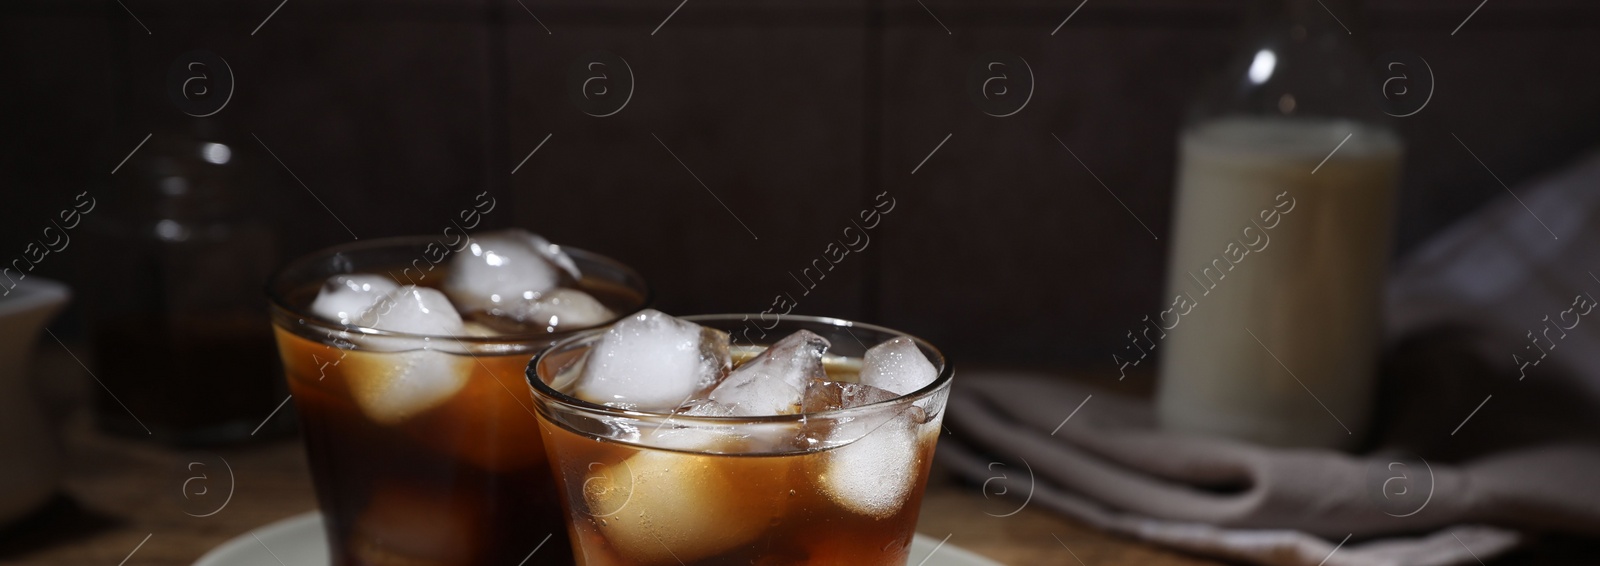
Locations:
{"points": [[121, 495], [118, 493]]}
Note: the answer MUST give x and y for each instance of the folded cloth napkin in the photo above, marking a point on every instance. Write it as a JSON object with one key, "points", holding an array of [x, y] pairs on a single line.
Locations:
{"points": [[1476, 450]]}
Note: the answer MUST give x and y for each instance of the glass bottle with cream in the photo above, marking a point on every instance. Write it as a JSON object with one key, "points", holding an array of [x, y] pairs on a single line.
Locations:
{"points": [[1285, 200]]}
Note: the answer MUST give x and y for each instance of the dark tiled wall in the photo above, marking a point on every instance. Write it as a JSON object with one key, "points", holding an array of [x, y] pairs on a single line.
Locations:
{"points": [[759, 131]]}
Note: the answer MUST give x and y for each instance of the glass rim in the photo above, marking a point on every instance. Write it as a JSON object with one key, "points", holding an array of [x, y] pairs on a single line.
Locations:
{"points": [[282, 303], [543, 390]]}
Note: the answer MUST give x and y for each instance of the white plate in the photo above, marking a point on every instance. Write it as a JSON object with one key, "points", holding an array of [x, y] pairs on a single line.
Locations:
{"points": [[298, 541]]}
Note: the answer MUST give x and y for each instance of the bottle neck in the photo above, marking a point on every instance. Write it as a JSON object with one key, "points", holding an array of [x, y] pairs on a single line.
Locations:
{"points": [[1298, 60]]}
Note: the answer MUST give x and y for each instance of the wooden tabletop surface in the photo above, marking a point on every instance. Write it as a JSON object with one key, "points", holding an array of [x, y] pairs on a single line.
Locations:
{"points": [[121, 504], [121, 495]]}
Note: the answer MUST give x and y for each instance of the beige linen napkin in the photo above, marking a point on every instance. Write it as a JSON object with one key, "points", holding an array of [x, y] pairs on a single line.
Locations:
{"points": [[1108, 466]]}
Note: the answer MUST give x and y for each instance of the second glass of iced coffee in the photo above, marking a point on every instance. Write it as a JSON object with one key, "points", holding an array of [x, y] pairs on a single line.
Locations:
{"points": [[405, 358]]}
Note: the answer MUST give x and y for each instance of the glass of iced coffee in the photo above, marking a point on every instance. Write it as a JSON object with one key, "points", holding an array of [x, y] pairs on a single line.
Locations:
{"points": [[722, 440], [405, 360]]}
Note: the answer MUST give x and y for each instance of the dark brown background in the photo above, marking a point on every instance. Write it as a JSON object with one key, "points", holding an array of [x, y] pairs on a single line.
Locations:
{"points": [[1002, 247]]}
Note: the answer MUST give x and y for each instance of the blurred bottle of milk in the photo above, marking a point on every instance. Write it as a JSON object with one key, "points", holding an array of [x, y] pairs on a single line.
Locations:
{"points": [[1285, 200]]}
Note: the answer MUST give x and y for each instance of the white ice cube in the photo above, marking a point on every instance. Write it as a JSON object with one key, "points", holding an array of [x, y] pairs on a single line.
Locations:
{"points": [[661, 507], [708, 409], [413, 310], [499, 268], [344, 297], [774, 382], [873, 472], [653, 362], [558, 308], [834, 395], [897, 366], [394, 378]]}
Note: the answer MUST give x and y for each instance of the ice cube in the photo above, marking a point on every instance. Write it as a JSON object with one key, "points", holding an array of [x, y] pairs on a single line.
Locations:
{"points": [[413, 310], [344, 297], [653, 362], [832, 395], [744, 438], [898, 366], [774, 382], [397, 377], [568, 308], [552, 310], [707, 409], [875, 459], [666, 507], [499, 268]]}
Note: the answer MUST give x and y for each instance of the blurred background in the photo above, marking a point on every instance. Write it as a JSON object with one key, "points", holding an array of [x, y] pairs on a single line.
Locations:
{"points": [[1002, 247], [756, 135]]}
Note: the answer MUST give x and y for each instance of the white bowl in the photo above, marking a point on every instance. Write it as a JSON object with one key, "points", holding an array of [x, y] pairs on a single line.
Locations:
{"points": [[29, 445]]}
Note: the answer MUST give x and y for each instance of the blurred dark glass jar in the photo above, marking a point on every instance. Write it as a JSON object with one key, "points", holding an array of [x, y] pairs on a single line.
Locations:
{"points": [[173, 300]]}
